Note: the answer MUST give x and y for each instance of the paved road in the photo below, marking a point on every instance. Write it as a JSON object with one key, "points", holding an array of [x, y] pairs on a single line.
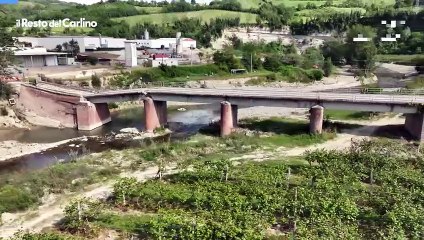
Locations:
{"points": [[269, 94]]}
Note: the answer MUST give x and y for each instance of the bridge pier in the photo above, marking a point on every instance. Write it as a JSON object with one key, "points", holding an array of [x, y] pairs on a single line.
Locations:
{"points": [[155, 114], [414, 124], [228, 118], [316, 119], [234, 113], [92, 115]]}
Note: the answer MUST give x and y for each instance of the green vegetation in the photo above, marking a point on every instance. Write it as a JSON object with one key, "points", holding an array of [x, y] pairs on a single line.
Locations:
{"points": [[331, 114], [204, 15], [400, 59], [44, 236], [5, 90], [370, 191], [95, 81], [417, 83], [167, 74], [150, 10], [19, 191], [285, 132]]}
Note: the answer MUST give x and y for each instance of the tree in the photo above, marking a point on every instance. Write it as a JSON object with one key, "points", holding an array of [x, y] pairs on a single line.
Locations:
{"points": [[74, 47], [193, 2], [6, 55], [328, 67], [272, 63], [95, 81], [312, 58], [58, 48], [361, 54], [226, 60], [336, 51], [275, 16]]}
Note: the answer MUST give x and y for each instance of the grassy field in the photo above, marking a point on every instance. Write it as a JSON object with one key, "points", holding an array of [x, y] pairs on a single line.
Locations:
{"points": [[400, 59], [205, 15], [347, 115]]}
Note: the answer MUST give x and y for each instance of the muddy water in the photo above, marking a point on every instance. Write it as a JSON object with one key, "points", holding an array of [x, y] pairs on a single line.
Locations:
{"points": [[182, 124]]}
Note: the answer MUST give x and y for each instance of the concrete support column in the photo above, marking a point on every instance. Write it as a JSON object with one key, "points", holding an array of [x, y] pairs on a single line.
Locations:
{"points": [[316, 119], [162, 111], [234, 112], [151, 115], [226, 119], [414, 124], [91, 116]]}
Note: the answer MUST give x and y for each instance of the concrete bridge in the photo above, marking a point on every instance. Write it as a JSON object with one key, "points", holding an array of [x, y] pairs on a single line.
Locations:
{"points": [[90, 110]]}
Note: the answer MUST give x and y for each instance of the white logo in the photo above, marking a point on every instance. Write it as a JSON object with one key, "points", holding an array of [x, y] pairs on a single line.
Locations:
{"points": [[67, 23]]}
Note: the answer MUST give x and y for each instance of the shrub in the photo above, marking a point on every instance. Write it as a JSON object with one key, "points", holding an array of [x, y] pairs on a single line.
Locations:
{"points": [[14, 198], [419, 64], [95, 81], [272, 63], [315, 74], [41, 236], [294, 74], [4, 111], [5, 90], [328, 67], [271, 77], [32, 81], [92, 60], [112, 105], [79, 213]]}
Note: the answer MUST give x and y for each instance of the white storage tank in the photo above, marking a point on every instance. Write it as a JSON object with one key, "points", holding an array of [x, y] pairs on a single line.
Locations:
{"points": [[130, 53]]}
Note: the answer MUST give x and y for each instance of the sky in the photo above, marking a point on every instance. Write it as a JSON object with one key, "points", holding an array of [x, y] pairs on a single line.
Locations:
{"points": [[95, 1]]}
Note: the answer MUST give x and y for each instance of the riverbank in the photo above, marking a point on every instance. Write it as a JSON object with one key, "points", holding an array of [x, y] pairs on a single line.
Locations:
{"points": [[13, 149], [103, 168]]}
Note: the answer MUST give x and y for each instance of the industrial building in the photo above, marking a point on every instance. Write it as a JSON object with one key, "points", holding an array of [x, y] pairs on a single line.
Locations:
{"points": [[39, 57], [176, 44], [107, 50], [87, 43]]}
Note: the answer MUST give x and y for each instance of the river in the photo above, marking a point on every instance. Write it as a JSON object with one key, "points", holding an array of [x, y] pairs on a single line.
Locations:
{"points": [[181, 123]]}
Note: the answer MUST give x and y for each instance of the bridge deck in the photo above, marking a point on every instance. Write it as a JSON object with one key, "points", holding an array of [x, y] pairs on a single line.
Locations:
{"points": [[268, 94]]}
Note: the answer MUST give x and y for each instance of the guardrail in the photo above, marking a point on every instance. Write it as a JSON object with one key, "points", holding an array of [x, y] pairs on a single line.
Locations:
{"points": [[200, 85], [386, 91]]}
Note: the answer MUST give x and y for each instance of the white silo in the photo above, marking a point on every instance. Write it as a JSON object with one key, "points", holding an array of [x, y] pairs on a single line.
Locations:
{"points": [[146, 34], [179, 47], [130, 53]]}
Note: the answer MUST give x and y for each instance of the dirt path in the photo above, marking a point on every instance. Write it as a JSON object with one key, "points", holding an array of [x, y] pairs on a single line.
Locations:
{"points": [[344, 139], [51, 211]]}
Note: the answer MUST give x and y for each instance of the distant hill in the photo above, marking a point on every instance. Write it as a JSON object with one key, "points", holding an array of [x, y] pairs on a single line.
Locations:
{"points": [[204, 15]]}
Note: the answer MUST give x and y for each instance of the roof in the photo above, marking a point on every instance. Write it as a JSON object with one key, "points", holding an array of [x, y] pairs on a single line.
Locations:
{"points": [[38, 53]]}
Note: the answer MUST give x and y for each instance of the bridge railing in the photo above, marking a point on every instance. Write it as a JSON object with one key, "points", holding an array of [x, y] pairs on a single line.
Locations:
{"points": [[201, 84], [385, 91]]}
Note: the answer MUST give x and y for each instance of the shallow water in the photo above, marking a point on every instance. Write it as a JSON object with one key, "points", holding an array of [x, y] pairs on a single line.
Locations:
{"points": [[183, 124]]}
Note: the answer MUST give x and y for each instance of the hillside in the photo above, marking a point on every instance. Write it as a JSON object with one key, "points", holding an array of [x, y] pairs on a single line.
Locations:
{"points": [[205, 15], [293, 3]]}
